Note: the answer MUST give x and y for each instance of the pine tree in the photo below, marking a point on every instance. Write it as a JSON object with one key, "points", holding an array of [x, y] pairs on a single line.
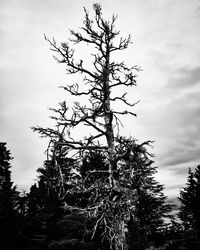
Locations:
{"points": [[45, 203], [187, 197], [8, 202], [190, 209], [197, 201], [150, 208], [43, 206]]}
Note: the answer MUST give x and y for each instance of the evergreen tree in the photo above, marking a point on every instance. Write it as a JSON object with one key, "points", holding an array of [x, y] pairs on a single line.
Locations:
{"points": [[197, 201], [146, 224], [45, 202], [8, 201], [190, 209], [147, 221], [43, 205], [174, 236]]}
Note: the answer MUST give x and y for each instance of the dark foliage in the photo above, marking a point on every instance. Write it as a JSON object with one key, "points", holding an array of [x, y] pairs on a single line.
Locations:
{"points": [[190, 209], [9, 225], [150, 209], [44, 206]]}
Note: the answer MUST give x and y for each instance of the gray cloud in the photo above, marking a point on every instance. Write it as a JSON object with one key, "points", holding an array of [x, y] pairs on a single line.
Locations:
{"points": [[185, 157], [180, 171], [173, 118], [28, 85], [175, 201], [197, 11], [185, 78], [184, 116]]}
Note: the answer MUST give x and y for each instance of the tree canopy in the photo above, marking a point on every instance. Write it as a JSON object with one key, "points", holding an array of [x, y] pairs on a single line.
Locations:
{"points": [[190, 209]]}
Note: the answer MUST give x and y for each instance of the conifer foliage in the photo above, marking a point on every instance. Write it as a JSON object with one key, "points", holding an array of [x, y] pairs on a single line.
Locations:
{"points": [[43, 206], [146, 223], [8, 202], [190, 209]]}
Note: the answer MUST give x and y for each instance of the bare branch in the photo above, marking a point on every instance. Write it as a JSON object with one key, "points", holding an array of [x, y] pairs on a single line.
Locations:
{"points": [[92, 138], [74, 90], [96, 225], [68, 55], [122, 98], [123, 44], [124, 113]]}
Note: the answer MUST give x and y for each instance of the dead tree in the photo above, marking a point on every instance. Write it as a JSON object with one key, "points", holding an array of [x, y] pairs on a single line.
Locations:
{"points": [[99, 84]]}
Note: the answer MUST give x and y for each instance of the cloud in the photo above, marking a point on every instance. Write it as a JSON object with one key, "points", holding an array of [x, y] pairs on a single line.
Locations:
{"points": [[182, 113], [185, 78], [182, 119], [170, 115], [172, 182], [166, 46]]}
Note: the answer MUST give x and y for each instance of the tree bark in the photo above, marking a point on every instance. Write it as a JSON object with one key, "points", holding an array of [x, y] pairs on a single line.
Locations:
{"points": [[108, 116]]}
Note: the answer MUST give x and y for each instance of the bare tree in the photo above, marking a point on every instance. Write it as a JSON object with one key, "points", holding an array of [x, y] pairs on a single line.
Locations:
{"points": [[101, 80]]}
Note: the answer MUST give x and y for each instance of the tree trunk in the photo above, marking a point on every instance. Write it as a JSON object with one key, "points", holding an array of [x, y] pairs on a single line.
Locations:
{"points": [[108, 114]]}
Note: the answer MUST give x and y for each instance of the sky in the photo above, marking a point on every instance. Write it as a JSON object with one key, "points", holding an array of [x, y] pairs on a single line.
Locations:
{"points": [[165, 43]]}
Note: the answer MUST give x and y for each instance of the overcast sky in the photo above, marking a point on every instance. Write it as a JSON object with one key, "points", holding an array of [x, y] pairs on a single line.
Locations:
{"points": [[166, 38]]}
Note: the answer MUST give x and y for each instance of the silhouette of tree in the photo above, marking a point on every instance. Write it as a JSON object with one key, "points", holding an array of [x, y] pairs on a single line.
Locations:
{"points": [[43, 206], [146, 224], [135, 172], [174, 235], [190, 209], [9, 228], [102, 187], [101, 80]]}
